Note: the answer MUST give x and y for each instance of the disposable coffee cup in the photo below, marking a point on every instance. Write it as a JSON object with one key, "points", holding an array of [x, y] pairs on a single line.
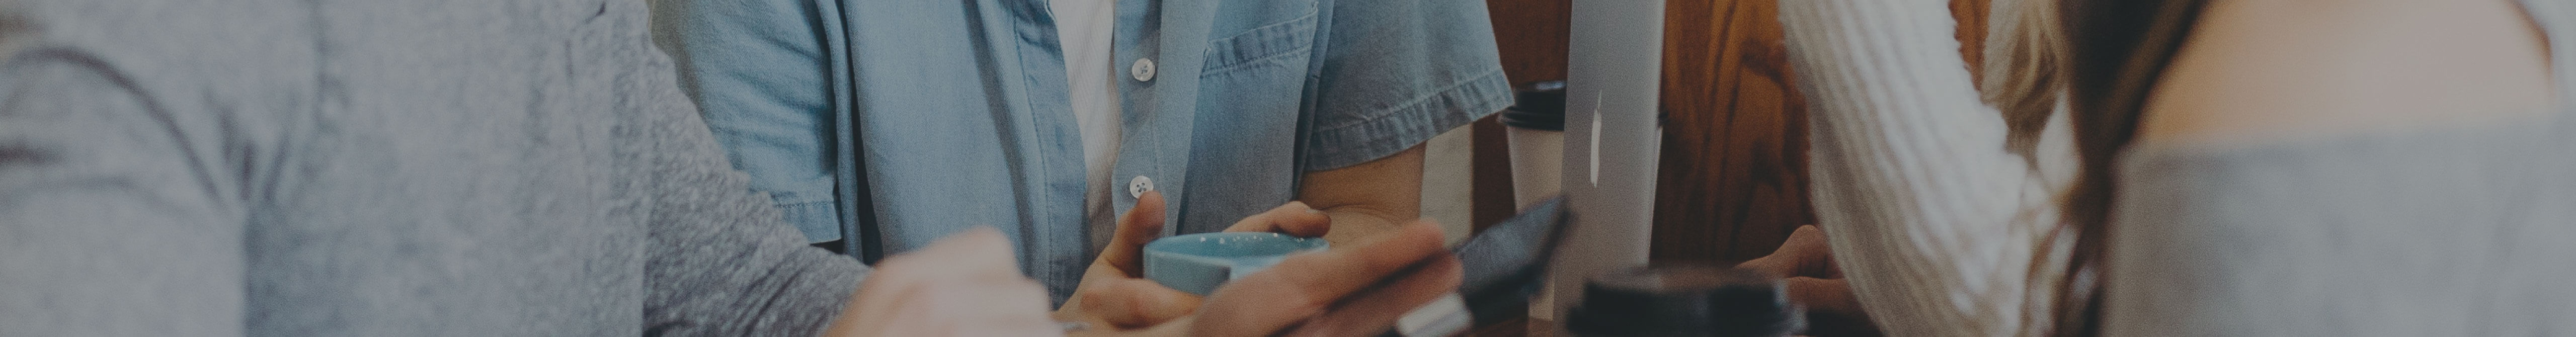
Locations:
{"points": [[1535, 128]]}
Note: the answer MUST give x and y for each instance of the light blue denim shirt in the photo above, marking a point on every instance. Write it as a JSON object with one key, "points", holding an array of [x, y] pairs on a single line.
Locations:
{"points": [[896, 122]]}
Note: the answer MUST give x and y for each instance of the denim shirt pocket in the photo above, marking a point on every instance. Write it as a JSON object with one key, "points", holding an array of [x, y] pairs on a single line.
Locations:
{"points": [[1281, 44], [1251, 108], [1258, 77]]}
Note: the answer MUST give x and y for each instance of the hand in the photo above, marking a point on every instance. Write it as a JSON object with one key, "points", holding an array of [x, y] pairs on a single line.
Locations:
{"points": [[1803, 255], [1814, 280], [1114, 292], [965, 285], [1350, 290]]}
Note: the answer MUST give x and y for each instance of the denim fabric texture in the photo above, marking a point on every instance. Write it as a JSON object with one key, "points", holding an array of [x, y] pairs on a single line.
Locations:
{"points": [[894, 123]]}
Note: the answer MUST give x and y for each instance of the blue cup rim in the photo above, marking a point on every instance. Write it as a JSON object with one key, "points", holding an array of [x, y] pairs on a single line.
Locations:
{"points": [[1170, 250]]}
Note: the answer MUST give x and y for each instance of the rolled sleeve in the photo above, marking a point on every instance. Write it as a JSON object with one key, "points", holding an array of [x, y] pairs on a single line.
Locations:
{"points": [[718, 263], [756, 69], [1396, 73]]}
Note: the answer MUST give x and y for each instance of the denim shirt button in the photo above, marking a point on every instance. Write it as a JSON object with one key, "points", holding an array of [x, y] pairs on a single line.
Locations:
{"points": [[1143, 70], [1137, 187]]}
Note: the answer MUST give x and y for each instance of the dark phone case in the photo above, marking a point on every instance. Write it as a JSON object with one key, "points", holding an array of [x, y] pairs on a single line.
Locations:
{"points": [[1503, 266]]}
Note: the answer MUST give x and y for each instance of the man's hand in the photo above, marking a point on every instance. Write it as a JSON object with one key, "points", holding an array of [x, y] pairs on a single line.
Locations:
{"points": [[1351, 290], [1114, 292], [1356, 289], [965, 285]]}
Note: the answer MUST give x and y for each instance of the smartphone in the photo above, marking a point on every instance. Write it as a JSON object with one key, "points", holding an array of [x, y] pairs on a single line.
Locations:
{"points": [[1500, 269]]}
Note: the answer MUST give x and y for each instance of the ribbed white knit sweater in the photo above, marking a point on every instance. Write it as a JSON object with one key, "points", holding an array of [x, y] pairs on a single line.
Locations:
{"points": [[1939, 228]]}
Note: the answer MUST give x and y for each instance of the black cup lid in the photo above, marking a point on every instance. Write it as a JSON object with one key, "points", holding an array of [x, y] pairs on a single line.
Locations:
{"points": [[1684, 301], [1537, 105]]}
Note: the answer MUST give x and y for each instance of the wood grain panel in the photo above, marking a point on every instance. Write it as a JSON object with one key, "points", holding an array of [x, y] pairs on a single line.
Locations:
{"points": [[1733, 174], [1733, 178], [1971, 15], [1532, 35]]}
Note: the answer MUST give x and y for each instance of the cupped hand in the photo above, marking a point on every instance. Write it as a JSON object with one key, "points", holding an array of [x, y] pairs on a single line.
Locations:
{"points": [[964, 285], [1351, 290], [1114, 293], [1358, 289]]}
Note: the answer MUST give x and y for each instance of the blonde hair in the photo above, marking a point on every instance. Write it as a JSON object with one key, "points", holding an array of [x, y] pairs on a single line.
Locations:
{"points": [[2022, 78], [2019, 77]]}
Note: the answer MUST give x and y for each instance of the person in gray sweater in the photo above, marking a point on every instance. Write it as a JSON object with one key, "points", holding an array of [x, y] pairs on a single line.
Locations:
{"points": [[476, 167]]}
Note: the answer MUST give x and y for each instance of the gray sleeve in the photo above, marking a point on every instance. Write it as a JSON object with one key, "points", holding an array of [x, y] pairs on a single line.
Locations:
{"points": [[115, 215], [720, 262], [755, 68], [2443, 230]]}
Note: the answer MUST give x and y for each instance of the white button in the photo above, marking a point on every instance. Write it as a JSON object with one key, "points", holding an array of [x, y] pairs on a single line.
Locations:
{"points": [[1143, 70], [1137, 187]]}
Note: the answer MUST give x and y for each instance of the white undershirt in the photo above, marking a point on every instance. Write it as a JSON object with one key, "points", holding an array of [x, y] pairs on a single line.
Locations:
{"points": [[1084, 28]]}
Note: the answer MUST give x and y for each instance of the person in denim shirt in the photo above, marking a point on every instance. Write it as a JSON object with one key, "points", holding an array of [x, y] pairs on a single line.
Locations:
{"points": [[880, 125]]}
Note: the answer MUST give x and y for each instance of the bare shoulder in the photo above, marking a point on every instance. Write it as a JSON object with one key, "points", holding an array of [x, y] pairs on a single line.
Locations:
{"points": [[2255, 69]]}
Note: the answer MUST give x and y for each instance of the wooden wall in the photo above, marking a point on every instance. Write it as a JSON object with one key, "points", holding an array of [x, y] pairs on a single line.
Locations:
{"points": [[1733, 181], [1532, 35], [1733, 177]]}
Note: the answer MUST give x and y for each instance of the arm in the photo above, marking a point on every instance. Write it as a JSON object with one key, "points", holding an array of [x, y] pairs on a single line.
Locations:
{"points": [[1935, 223], [115, 216], [756, 70], [1369, 198], [718, 262], [1393, 75]]}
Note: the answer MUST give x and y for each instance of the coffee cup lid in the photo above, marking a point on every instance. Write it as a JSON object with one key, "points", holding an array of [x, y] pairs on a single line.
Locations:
{"points": [[1685, 300]]}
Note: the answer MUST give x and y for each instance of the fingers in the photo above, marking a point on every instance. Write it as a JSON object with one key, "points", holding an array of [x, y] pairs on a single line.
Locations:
{"points": [[1294, 218], [1767, 264], [1816, 257], [1132, 303], [1177, 328], [991, 307], [1805, 253], [1140, 225], [1305, 285], [980, 251], [963, 285], [1824, 295], [1376, 310]]}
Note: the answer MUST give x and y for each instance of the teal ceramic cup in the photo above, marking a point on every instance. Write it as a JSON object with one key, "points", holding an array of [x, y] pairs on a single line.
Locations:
{"points": [[1198, 263]]}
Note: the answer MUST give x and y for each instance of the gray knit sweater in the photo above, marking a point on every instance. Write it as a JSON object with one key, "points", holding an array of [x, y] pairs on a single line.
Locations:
{"points": [[375, 168]]}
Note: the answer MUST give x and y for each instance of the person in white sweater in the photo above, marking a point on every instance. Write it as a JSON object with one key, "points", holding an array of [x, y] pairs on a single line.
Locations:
{"points": [[2254, 167], [1937, 188]]}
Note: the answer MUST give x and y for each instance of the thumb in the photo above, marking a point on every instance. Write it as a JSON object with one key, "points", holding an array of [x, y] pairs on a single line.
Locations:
{"points": [[1140, 225]]}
